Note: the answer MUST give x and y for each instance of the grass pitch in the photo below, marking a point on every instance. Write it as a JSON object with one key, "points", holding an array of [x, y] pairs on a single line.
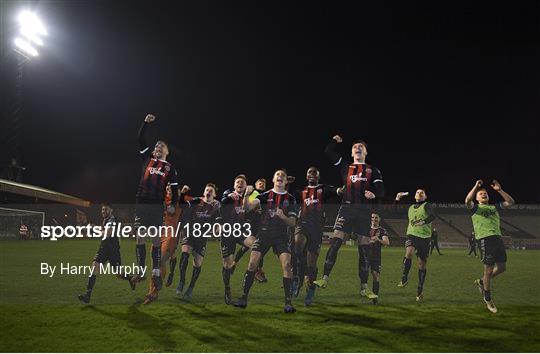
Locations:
{"points": [[42, 314]]}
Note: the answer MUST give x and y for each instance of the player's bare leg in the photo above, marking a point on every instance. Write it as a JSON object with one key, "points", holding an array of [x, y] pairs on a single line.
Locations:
{"points": [[331, 256], [248, 242], [485, 284]]}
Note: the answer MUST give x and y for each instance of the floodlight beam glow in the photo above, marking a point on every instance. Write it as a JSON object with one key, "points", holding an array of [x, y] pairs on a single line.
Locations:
{"points": [[26, 47], [26, 32], [31, 30], [32, 23]]}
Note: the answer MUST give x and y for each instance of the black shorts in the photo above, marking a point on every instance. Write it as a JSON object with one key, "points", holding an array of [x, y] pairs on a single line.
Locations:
{"points": [[279, 243], [147, 214], [228, 245], [313, 233], [421, 246], [197, 243], [353, 218], [108, 252], [492, 250], [369, 259]]}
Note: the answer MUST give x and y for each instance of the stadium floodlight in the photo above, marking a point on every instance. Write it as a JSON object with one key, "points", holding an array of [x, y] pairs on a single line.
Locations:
{"points": [[31, 30]]}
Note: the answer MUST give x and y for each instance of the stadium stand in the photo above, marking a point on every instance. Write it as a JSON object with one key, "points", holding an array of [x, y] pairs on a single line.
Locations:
{"points": [[395, 227], [526, 226], [35, 206]]}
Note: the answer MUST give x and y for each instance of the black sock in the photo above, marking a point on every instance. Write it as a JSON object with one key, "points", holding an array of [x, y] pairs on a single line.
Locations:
{"points": [[363, 266], [226, 273], [487, 295], [240, 253], [91, 283], [406, 268], [376, 287], [126, 276], [311, 275], [249, 276], [195, 276], [331, 255], [172, 264], [287, 284], [184, 258], [156, 257], [299, 265], [261, 262], [421, 279], [140, 252]]}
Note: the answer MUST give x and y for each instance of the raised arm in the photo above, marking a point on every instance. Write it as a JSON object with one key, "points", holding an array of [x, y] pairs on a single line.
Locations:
{"points": [[250, 205], [469, 199], [508, 200], [143, 146], [330, 151]]}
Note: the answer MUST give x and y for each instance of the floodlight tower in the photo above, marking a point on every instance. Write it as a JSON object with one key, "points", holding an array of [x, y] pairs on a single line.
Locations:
{"points": [[27, 42]]}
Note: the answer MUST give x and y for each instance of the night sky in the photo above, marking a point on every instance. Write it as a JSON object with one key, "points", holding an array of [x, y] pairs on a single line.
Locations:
{"points": [[443, 94]]}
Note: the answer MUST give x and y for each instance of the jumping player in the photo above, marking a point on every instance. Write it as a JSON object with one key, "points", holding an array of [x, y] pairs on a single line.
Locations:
{"points": [[278, 213], [108, 251], [369, 249], [308, 232], [254, 218], [156, 174], [233, 213], [363, 183], [487, 231], [419, 231], [200, 212]]}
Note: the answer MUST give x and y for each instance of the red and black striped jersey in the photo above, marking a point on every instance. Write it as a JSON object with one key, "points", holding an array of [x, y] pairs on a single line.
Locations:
{"points": [[270, 202], [232, 210], [155, 176], [312, 200], [375, 247], [356, 177]]}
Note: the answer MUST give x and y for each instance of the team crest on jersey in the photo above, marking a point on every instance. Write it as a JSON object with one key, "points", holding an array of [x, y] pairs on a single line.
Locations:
{"points": [[310, 201], [156, 171], [167, 168], [203, 214], [358, 177]]}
